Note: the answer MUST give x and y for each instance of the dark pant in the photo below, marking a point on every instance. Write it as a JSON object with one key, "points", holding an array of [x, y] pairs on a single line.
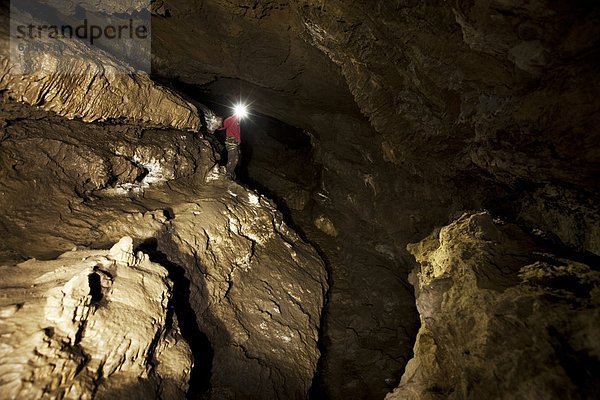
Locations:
{"points": [[233, 156]]}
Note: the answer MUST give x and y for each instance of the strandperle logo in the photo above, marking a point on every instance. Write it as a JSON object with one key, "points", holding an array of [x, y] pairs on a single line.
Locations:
{"points": [[63, 30], [86, 31]]}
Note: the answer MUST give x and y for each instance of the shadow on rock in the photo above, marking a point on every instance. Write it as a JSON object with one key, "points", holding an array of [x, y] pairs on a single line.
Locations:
{"points": [[187, 318]]}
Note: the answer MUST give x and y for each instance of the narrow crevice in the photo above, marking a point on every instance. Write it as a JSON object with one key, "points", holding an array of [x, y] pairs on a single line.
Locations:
{"points": [[95, 284], [317, 389], [199, 343]]}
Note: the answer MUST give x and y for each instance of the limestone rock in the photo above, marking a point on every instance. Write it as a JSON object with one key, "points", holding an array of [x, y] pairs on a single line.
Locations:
{"points": [[417, 111], [248, 291], [257, 290], [84, 82], [501, 317], [90, 324]]}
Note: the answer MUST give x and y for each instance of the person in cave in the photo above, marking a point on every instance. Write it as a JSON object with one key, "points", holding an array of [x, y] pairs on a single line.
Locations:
{"points": [[233, 139], [231, 126]]}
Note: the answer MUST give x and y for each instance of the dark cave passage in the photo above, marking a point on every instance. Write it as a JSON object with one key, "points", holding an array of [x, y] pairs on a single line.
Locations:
{"points": [[415, 213], [286, 164]]}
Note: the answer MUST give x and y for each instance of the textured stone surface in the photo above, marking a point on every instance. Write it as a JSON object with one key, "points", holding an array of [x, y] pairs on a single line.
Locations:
{"points": [[87, 83], [249, 285], [258, 288], [91, 324], [416, 111], [50, 164], [501, 317], [459, 105]]}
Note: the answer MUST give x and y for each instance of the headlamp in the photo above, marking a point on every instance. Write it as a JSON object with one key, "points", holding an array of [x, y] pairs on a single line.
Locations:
{"points": [[240, 110]]}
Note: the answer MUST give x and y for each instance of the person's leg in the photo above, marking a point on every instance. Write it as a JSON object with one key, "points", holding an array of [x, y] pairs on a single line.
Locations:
{"points": [[233, 156]]}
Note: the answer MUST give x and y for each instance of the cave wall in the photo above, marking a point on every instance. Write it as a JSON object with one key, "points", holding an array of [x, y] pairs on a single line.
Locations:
{"points": [[416, 112], [529, 319], [461, 105], [499, 89]]}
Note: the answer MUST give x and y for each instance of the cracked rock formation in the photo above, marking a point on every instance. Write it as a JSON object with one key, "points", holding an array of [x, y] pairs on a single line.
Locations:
{"points": [[91, 324], [257, 291], [501, 317], [248, 291], [417, 111]]}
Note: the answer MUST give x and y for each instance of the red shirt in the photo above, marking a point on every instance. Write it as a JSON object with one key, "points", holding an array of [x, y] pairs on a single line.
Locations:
{"points": [[232, 128]]}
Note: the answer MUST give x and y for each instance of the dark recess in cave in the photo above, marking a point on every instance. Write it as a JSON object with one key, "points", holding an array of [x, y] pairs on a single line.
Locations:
{"points": [[95, 282], [186, 317], [267, 145], [582, 368]]}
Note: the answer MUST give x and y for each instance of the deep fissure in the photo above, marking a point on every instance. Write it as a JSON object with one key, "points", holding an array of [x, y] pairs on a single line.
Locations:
{"points": [[267, 140], [187, 320]]}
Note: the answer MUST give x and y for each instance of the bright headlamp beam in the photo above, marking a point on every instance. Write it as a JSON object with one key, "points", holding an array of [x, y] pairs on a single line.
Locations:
{"points": [[240, 110]]}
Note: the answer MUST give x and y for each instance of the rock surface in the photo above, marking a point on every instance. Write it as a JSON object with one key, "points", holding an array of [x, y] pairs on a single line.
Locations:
{"points": [[258, 291], [501, 317], [91, 324], [415, 112], [87, 83], [250, 291], [418, 111]]}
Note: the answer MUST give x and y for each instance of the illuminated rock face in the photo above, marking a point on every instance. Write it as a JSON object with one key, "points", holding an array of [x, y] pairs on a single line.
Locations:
{"points": [[417, 112], [91, 323], [256, 288], [501, 317], [91, 85], [248, 291]]}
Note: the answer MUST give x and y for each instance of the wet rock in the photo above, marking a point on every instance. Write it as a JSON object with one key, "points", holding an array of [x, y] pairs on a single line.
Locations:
{"points": [[495, 304], [250, 290], [91, 324]]}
